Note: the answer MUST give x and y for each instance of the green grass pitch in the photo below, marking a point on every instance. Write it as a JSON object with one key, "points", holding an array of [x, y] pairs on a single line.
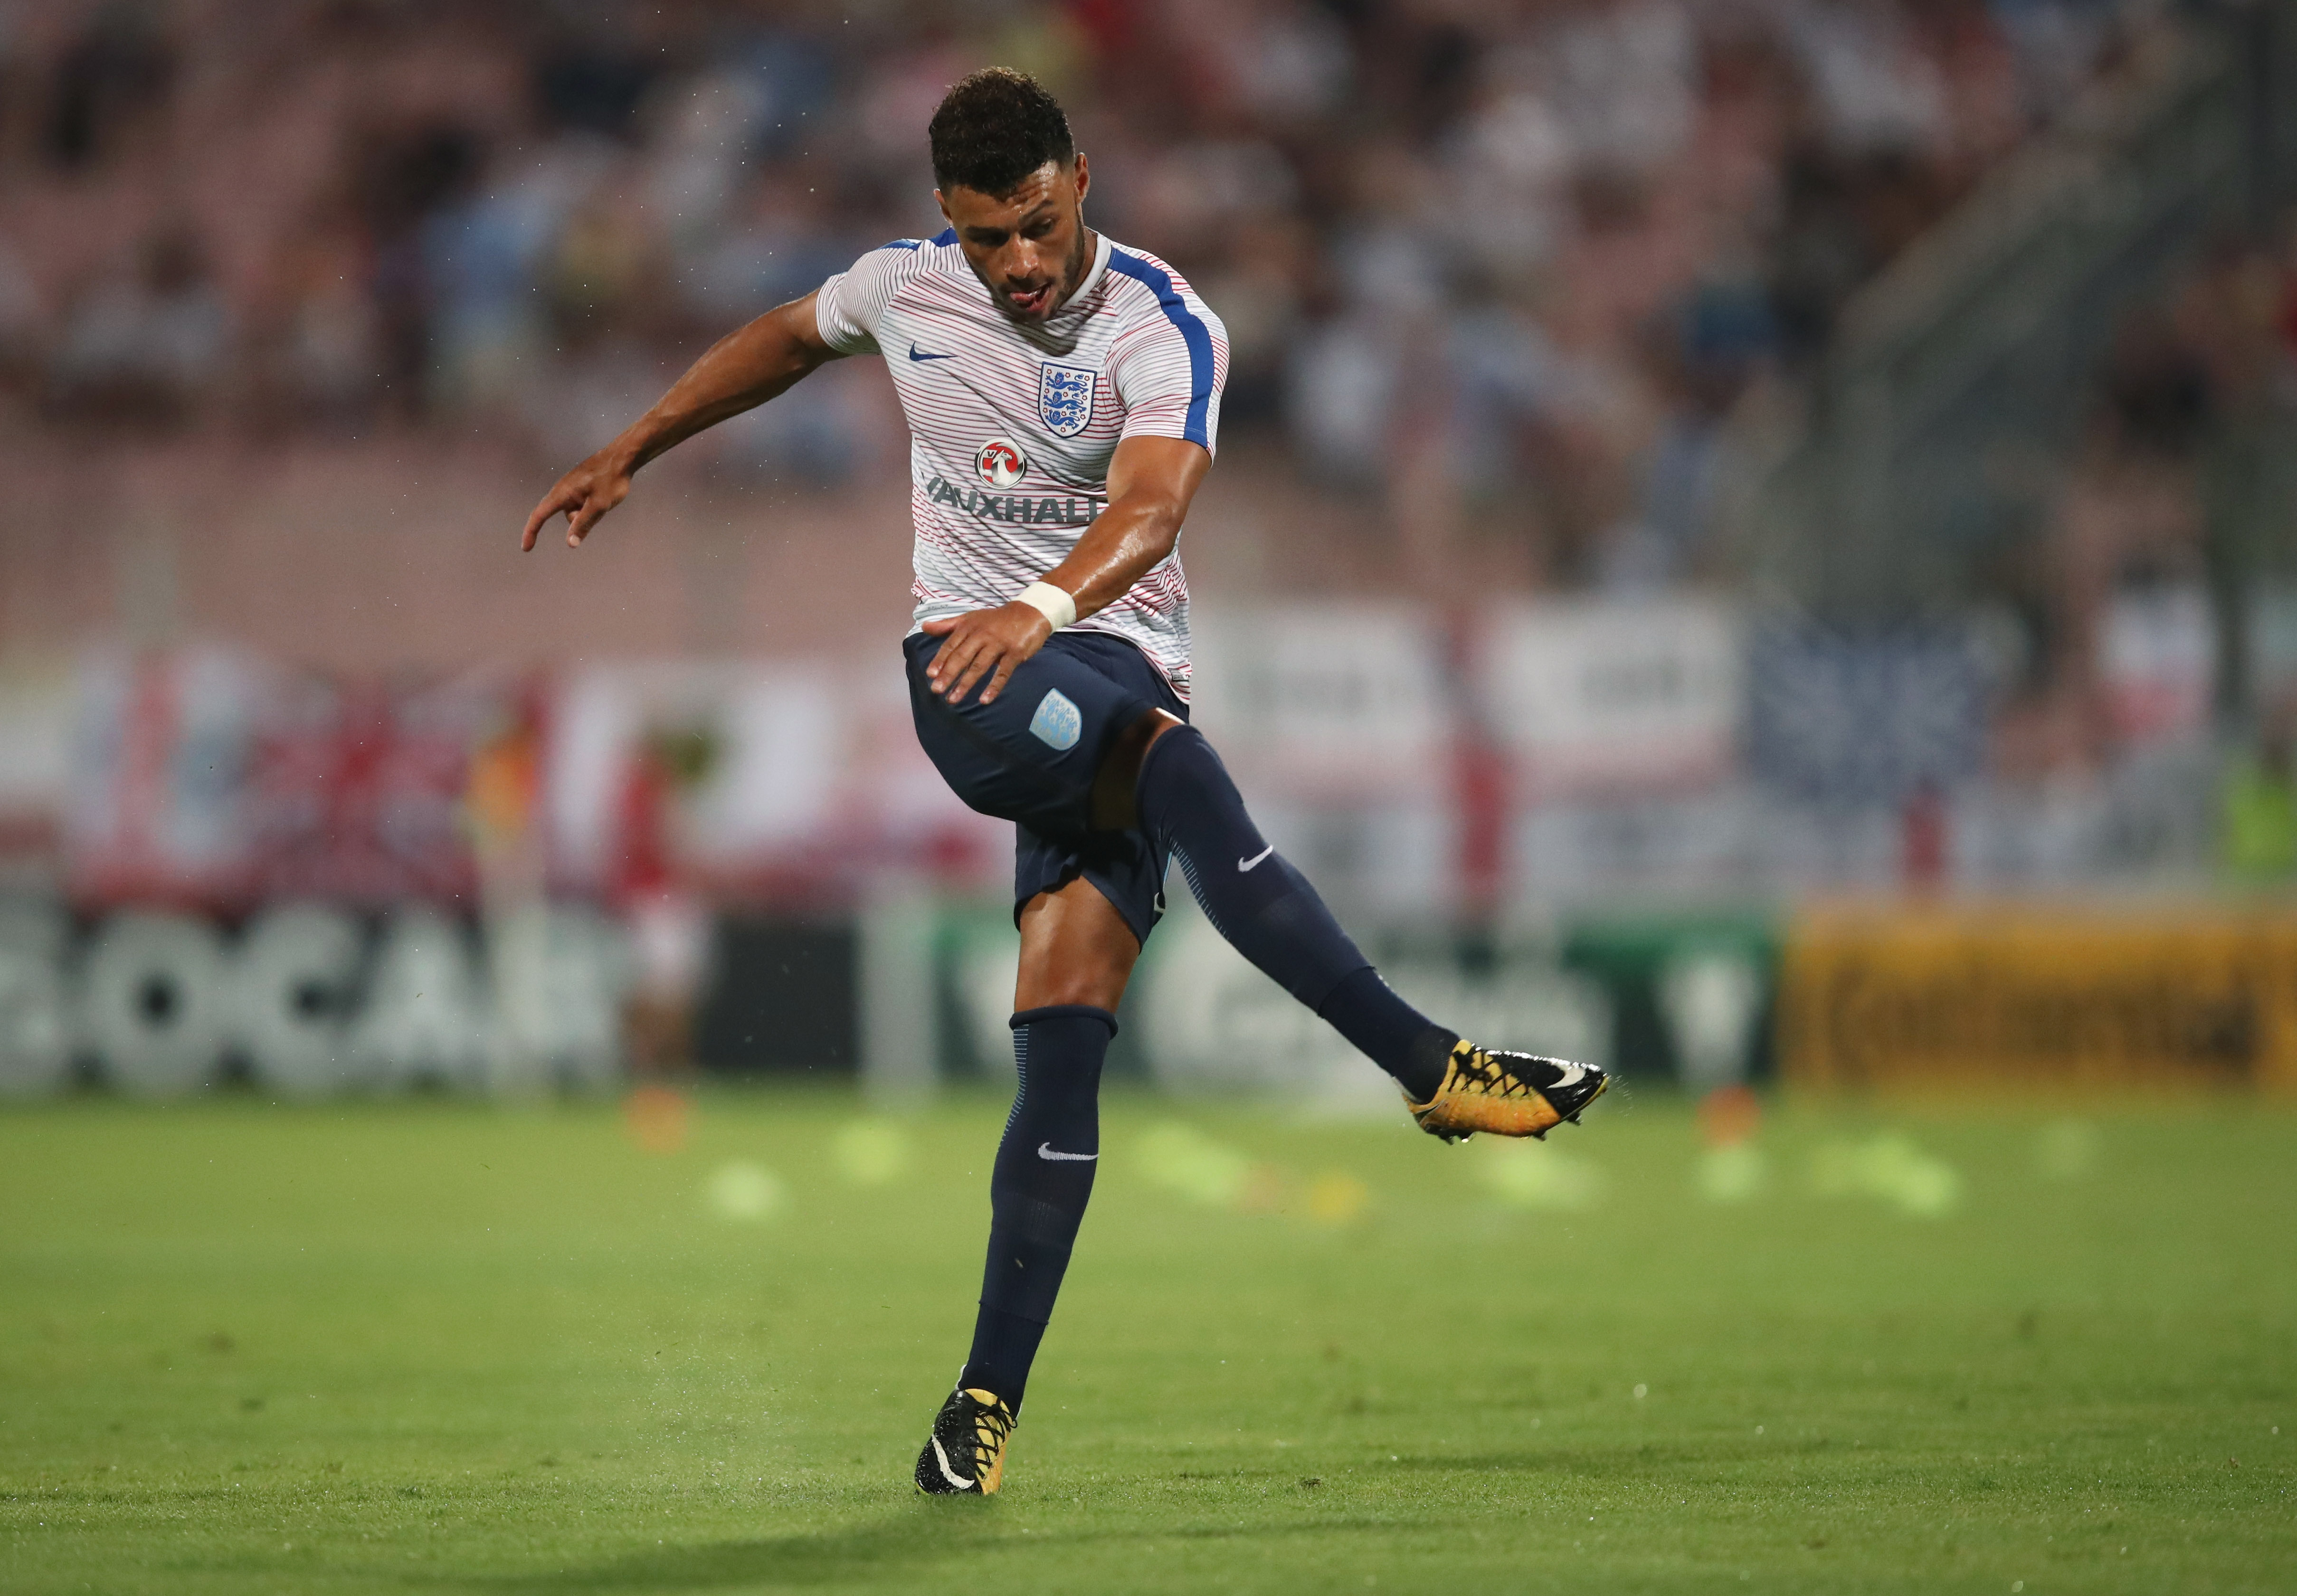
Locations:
{"points": [[438, 1347]]}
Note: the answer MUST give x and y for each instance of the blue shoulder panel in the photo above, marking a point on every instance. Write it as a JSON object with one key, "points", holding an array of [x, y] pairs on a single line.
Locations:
{"points": [[1193, 333]]}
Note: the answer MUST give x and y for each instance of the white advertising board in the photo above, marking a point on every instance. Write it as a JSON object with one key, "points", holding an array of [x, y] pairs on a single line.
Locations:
{"points": [[310, 1001], [809, 762], [1325, 703], [1597, 697]]}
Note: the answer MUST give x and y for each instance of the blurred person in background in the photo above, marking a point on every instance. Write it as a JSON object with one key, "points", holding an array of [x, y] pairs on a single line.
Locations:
{"points": [[669, 921], [2257, 836], [148, 345], [1063, 395], [23, 324]]}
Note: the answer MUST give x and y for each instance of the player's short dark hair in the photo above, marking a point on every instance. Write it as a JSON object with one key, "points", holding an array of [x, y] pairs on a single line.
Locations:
{"points": [[995, 128]]}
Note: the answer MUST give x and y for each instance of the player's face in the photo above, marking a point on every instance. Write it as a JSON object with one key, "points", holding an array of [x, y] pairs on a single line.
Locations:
{"points": [[1027, 247]]}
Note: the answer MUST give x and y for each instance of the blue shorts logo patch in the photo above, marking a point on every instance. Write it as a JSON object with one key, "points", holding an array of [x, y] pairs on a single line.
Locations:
{"points": [[1057, 722]]}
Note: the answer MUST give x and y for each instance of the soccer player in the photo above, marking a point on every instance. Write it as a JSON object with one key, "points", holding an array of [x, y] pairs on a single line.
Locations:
{"points": [[1063, 396]]}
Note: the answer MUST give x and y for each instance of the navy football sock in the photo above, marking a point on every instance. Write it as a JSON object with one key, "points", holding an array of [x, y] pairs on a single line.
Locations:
{"points": [[1270, 913], [1038, 1189], [1384, 1028]]}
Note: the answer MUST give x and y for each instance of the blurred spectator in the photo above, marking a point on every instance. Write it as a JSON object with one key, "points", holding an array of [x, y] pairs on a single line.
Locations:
{"points": [[670, 921], [1709, 351], [320, 359], [781, 240], [22, 322], [399, 177], [2258, 823], [111, 84], [145, 345]]}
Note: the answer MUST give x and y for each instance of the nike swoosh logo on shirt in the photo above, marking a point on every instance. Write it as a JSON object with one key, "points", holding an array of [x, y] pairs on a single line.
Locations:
{"points": [[915, 356], [1045, 1150], [1243, 865]]}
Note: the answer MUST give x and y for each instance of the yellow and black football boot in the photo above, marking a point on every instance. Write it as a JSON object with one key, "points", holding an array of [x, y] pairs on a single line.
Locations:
{"points": [[966, 1453], [1506, 1094]]}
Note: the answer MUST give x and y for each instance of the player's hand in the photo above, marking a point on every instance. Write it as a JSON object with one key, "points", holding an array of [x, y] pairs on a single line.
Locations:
{"points": [[583, 494], [983, 643]]}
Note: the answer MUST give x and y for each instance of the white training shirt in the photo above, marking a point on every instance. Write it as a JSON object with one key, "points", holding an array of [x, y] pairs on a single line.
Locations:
{"points": [[1012, 426]]}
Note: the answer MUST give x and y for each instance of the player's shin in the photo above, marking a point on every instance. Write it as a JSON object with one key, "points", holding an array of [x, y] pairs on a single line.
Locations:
{"points": [[1270, 914], [1038, 1189]]}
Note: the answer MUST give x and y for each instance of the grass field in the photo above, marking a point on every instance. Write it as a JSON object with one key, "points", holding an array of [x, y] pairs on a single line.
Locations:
{"points": [[443, 1346]]}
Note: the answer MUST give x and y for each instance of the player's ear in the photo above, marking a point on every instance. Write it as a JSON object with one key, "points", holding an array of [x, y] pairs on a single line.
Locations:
{"points": [[1084, 175], [944, 209]]}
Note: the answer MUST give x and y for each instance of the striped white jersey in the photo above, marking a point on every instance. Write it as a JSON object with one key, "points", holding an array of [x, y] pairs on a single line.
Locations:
{"points": [[1011, 426]]}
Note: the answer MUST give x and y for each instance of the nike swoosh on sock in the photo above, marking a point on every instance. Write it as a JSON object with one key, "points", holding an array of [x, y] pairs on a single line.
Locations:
{"points": [[1045, 1151], [1242, 865]]}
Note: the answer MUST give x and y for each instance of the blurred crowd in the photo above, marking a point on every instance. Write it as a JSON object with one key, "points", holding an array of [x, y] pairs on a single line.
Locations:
{"points": [[2155, 602], [1513, 270]]}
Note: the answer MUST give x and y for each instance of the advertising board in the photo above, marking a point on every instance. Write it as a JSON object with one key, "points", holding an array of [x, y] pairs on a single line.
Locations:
{"points": [[1994, 998], [1607, 696]]}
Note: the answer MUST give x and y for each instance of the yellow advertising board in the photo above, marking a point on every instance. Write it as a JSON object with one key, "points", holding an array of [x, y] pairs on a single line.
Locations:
{"points": [[1907, 997]]}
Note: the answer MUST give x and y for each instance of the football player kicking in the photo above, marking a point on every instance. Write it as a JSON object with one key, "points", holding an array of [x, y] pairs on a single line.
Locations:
{"points": [[1063, 396]]}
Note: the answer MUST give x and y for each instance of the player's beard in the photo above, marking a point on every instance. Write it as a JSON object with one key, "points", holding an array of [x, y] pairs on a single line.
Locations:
{"points": [[1071, 274], [1073, 269]]}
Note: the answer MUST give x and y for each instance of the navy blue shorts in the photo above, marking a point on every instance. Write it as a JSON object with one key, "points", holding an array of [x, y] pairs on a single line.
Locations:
{"points": [[1030, 758]]}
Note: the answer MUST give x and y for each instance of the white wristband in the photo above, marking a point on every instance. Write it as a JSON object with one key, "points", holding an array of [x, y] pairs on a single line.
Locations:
{"points": [[1051, 602]]}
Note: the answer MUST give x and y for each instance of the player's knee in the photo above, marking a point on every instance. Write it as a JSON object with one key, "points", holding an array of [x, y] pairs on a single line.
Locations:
{"points": [[1082, 978], [1186, 756], [1113, 785]]}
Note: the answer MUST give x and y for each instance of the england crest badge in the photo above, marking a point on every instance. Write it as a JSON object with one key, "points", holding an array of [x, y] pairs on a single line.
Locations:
{"points": [[1064, 396], [1057, 722]]}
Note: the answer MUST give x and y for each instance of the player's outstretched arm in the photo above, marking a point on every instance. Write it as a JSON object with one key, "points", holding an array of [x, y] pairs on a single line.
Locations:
{"points": [[740, 372], [1151, 482]]}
